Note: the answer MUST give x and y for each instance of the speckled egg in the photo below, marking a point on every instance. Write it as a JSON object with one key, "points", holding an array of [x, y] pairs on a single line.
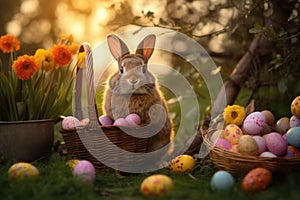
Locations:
{"points": [[121, 122], [182, 163], [22, 171], [156, 185], [222, 181], [248, 146], [276, 143], [283, 125], [270, 119], [257, 179], [84, 171], [232, 133], [254, 123], [105, 120], [70, 123], [223, 144], [293, 137], [261, 143], [295, 107], [72, 163], [133, 119], [267, 154], [294, 121], [292, 152]]}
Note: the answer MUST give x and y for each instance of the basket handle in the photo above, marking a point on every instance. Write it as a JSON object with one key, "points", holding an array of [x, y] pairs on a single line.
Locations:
{"points": [[92, 108]]}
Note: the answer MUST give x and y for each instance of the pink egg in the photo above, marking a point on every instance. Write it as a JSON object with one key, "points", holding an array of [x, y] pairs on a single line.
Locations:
{"points": [[254, 123], [276, 144], [70, 122], [85, 171], [105, 120], [261, 143], [292, 152], [267, 154], [133, 119], [294, 121], [121, 122], [223, 144], [232, 133]]}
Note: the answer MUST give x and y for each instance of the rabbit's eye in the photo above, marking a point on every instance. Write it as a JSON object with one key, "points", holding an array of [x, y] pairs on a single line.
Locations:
{"points": [[122, 69], [144, 68]]}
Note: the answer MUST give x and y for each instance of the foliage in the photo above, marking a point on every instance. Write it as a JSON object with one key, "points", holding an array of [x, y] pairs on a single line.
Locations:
{"points": [[39, 86]]}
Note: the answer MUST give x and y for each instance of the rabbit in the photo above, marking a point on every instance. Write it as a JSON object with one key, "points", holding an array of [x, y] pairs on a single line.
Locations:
{"points": [[134, 89]]}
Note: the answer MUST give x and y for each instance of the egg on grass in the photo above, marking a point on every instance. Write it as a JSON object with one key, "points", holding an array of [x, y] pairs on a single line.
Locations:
{"points": [[84, 171], [222, 181], [257, 179], [22, 171], [156, 185], [182, 164]]}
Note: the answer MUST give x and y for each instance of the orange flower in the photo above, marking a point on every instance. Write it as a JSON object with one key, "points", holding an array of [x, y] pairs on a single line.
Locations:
{"points": [[61, 54], [24, 67], [9, 43], [73, 48]]}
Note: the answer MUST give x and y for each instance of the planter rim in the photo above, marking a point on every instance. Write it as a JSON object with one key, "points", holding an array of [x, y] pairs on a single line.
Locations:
{"points": [[27, 121]]}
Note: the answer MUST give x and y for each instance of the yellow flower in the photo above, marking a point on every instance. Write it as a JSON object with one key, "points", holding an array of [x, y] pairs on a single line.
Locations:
{"points": [[61, 54], [67, 38], [24, 67], [45, 60], [73, 48], [9, 43], [80, 58], [234, 114]]}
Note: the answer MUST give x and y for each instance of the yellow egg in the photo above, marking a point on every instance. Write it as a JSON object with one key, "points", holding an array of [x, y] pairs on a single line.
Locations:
{"points": [[247, 145], [295, 107], [156, 185], [22, 171], [72, 163], [232, 133], [182, 163]]}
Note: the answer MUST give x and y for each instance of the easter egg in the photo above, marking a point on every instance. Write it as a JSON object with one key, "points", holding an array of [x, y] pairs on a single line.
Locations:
{"points": [[267, 154], [72, 163], [156, 185], [295, 107], [293, 137], [276, 143], [232, 133], [235, 148], [22, 171], [133, 119], [257, 179], [217, 134], [70, 123], [270, 119], [222, 181], [292, 152], [254, 123], [261, 143], [182, 163], [283, 125], [294, 121], [223, 144], [247, 145], [105, 120], [84, 171], [121, 122]]}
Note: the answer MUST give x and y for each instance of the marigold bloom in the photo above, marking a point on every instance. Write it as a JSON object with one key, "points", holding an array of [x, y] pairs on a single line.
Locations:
{"points": [[9, 43], [61, 54], [25, 66], [44, 59], [73, 48], [234, 114], [80, 58]]}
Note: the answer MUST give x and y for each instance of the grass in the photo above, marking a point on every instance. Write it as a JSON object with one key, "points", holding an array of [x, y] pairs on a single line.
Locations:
{"points": [[56, 182]]}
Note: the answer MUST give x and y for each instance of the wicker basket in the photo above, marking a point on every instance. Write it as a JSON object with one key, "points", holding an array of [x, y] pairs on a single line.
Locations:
{"points": [[108, 141], [239, 164]]}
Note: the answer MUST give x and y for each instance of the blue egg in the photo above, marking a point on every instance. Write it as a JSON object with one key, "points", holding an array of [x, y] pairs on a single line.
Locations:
{"points": [[293, 137], [222, 181]]}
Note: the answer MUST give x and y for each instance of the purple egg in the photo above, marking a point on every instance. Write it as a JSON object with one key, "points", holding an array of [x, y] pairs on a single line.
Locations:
{"points": [[223, 144], [133, 119], [254, 123], [276, 144], [105, 120], [261, 143], [85, 171], [121, 122], [294, 121]]}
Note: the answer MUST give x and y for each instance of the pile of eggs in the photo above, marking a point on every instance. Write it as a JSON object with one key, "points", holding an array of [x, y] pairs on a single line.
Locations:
{"points": [[260, 136], [131, 120]]}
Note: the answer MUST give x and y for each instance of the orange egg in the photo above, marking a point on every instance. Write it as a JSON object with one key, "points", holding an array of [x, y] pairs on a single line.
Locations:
{"points": [[257, 179], [295, 107]]}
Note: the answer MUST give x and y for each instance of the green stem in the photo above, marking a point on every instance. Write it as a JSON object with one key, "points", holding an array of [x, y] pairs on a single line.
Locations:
{"points": [[47, 92]]}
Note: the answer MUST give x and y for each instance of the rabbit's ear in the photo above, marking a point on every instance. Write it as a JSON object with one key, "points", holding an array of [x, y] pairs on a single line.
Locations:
{"points": [[117, 47], [146, 47]]}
